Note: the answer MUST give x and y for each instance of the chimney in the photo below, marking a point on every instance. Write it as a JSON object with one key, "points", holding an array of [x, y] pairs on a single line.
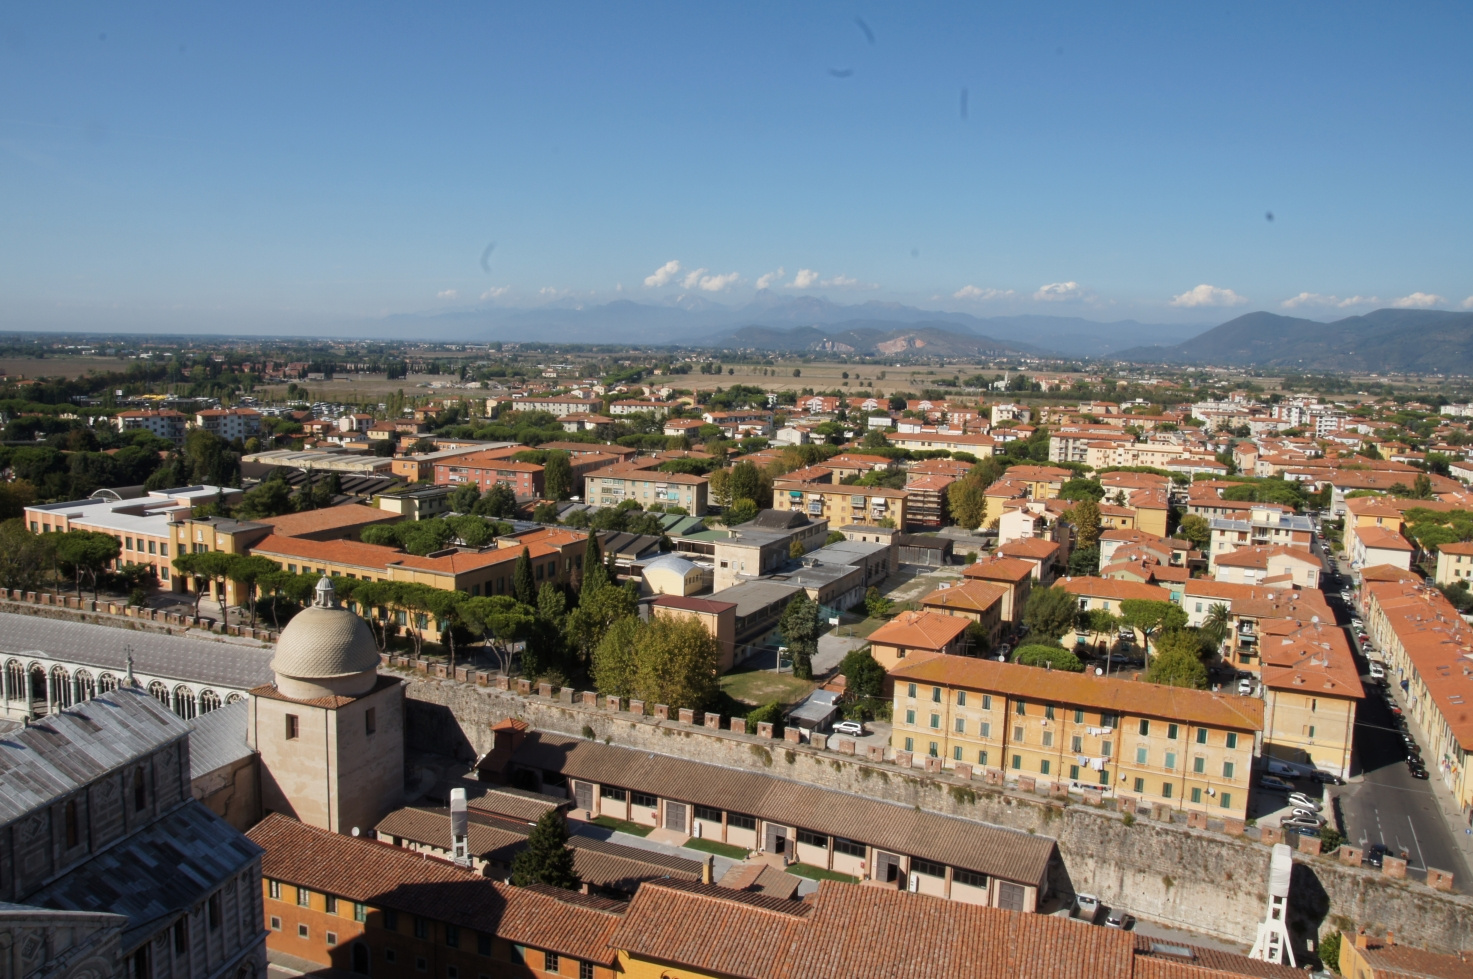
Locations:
{"points": [[460, 850], [707, 872], [1362, 940], [1390, 939]]}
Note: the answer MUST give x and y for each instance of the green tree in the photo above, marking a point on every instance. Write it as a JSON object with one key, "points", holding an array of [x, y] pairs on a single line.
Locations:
{"points": [[86, 553], [750, 483], [214, 567], [557, 476], [595, 575], [876, 606], [1218, 625], [597, 611], [966, 499], [1148, 617], [799, 625], [463, 498], [674, 661], [1328, 949], [1178, 661], [498, 501], [25, 558], [1195, 529], [249, 572], [796, 549], [523, 585], [499, 620], [270, 498], [613, 664], [547, 858], [864, 678], [1050, 612], [1051, 657], [448, 608], [1097, 622], [741, 511], [1085, 516]]}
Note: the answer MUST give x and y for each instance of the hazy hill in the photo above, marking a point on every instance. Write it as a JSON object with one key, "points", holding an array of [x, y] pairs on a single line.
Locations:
{"points": [[1385, 341], [872, 338]]}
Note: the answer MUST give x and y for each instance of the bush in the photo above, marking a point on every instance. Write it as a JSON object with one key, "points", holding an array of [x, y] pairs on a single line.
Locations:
{"points": [[1329, 951], [1052, 657], [770, 713]]}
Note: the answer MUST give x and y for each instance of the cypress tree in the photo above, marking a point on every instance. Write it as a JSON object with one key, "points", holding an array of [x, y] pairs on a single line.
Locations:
{"points": [[547, 858], [521, 579]]}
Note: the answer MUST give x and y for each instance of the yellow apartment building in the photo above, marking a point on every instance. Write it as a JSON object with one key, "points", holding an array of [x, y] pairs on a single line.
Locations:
{"points": [[842, 505], [1189, 749]]}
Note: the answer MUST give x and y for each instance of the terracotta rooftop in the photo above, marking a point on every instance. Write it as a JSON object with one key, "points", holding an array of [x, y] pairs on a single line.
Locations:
{"points": [[973, 595], [1113, 589], [704, 605], [920, 630], [1259, 557], [1309, 657], [327, 518], [1000, 569], [1034, 548], [1384, 539], [1106, 693], [1439, 645]]}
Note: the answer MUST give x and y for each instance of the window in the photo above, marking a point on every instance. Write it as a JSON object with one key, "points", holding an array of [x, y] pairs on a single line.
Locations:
{"points": [[302, 931], [611, 792], [737, 820], [1145, 727], [391, 920], [483, 943], [1227, 769], [550, 961], [1048, 739], [848, 847], [961, 725], [332, 904], [421, 927], [1227, 799], [961, 698], [1199, 765], [1073, 773], [910, 691], [1311, 730], [910, 744], [275, 923], [1197, 796], [1048, 711], [936, 722], [370, 720], [390, 955], [273, 889], [1017, 763], [986, 729], [933, 749], [982, 758], [1201, 735], [1076, 744], [213, 912], [1043, 767], [1171, 761], [969, 878], [1166, 790], [291, 727], [1105, 748], [708, 814], [1022, 708], [73, 833], [987, 701], [1232, 739], [1171, 732], [1078, 716], [640, 799], [1110, 720], [332, 938], [810, 838], [935, 695], [585, 970], [910, 717], [1018, 733], [181, 936], [1140, 756], [140, 789], [360, 911], [421, 964], [304, 897], [1104, 777], [514, 954], [1140, 785], [927, 867], [452, 936]]}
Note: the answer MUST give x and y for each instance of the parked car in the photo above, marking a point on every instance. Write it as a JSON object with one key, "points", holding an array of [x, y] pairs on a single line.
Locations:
{"points": [[1305, 829], [1088, 906], [1119, 919], [1275, 783], [1326, 778], [851, 728], [1357, 625], [1299, 823], [1375, 853], [1391, 706], [1378, 672], [1303, 801], [1417, 769], [1299, 813], [1283, 769]]}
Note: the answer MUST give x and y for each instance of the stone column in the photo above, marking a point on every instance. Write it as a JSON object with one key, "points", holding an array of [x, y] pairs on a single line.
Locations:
{"points": [[5, 681], [50, 693], [76, 689]]}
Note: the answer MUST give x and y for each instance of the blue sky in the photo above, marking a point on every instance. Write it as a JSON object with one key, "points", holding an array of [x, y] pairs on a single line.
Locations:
{"points": [[220, 167]]}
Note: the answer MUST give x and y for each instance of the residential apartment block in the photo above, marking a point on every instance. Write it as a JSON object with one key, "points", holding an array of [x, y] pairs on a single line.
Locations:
{"points": [[167, 423], [842, 505], [229, 423], [1190, 749], [613, 485]]}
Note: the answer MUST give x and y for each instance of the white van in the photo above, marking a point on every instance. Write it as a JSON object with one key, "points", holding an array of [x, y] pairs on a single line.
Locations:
{"points": [[1282, 769]]}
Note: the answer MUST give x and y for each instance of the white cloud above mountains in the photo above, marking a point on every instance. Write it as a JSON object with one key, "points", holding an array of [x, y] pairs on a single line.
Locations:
{"points": [[1468, 303], [1419, 300], [1334, 302], [805, 279], [448, 294], [663, 275], [495, 292], [698, 279], [981, 295], [1206, 295], [1059, 292], [770, 279]]}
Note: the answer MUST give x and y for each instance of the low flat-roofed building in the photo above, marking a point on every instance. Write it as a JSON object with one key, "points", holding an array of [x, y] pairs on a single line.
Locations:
{"points": [[671, 574], [758, 606], [1190, 749], [322, 460]]}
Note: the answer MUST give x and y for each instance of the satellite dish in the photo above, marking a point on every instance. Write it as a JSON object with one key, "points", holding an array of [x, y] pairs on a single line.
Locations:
{"points": [[1099, 671], [355, 830], [1315, 619]]}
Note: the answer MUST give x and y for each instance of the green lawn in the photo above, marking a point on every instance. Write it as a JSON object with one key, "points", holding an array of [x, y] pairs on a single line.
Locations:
{"points": [[819, 873], [759, 687], [621, 826], [720, 849]]}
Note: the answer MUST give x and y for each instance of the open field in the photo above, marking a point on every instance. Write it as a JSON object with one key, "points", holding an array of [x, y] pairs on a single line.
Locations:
{"points": [[73, 366], [758, 687]]}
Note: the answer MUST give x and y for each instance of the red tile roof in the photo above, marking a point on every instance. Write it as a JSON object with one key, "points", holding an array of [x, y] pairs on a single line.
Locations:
{"points": [[920, 630]]}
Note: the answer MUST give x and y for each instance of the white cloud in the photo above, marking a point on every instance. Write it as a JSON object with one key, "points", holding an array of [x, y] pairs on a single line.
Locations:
{"points": [[495, 292], [448, 294], [1468, 303], [1419, 300], [1206, 295], [770, 279], [804, 279], [1318, 299], [549, 292], [698, 279], [981, 295], [663, 275], [1059, 292]]}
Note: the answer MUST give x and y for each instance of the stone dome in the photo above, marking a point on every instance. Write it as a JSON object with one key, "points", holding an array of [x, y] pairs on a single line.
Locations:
{"points": [[325, 650]]}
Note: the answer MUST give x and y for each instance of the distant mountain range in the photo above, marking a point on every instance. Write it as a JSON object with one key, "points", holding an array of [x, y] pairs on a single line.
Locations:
{"points": [[1412, 341], [874, 339], [695, 321]]}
